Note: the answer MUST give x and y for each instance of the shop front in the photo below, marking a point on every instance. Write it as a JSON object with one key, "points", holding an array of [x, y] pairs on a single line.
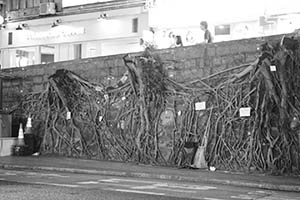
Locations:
{"points": [[55, 39]]}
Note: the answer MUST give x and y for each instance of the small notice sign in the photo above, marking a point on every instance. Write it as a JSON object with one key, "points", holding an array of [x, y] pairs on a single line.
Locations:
{"points": [[273, 68], [68, 115], [200, 105], [98, 88], [245, 112], [179, 113], [100, 118]]}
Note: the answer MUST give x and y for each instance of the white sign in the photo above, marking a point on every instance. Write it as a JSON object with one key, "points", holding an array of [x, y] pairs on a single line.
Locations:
{"points": [[98, 88], [273, 68], [245, 112], [68, 115], [179, 113], [100, 118], [55, 33], [121, 124], [124, 78], [1, 20], [200, 105]]}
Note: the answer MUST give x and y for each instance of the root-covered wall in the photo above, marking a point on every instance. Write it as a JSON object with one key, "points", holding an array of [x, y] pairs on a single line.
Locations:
{"points": [[149, 113]]}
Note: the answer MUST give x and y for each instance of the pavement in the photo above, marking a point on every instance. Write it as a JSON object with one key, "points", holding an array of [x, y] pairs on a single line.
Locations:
{"points": [[112, 168]]}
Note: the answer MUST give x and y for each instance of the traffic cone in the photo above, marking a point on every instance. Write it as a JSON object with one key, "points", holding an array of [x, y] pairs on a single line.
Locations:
{"points": [[29, 137], [199, 159], [28, 126], [21, 136]]}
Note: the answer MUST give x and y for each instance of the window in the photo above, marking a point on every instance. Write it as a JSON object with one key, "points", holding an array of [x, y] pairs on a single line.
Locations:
{"points": [[135, 25], [10, 38], [22, 4], [47, 54], [22, 58], [36, 3], [14, 4], [77, 51], [29, 4], [222, 30]]}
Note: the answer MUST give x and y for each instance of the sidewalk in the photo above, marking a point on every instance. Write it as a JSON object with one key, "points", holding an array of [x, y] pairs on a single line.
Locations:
{"points": [[59, 164]]}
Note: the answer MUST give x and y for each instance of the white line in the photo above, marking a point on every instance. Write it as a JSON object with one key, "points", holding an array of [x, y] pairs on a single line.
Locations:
{"points": [[10, 174], [57, 184], [179, 186], [115, 184], [88, 182], [157, 187], [139, 192], [2, 179], [42, 174], [189, 187], [115, 180], [207, 198]]}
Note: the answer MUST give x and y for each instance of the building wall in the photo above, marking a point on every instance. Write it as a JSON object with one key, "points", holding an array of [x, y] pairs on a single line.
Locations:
{"points": [[191, 62], [97, 38]]}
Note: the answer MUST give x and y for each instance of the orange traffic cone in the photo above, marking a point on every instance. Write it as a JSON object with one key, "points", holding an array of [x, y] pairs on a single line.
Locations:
{"points": [[21, 136]]}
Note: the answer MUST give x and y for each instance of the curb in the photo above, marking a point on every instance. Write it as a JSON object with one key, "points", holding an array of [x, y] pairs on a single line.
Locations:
{"points": [[268, 186]]}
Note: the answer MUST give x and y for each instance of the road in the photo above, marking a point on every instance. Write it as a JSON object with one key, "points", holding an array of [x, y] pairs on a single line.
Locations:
{"points": [[63, 186]]}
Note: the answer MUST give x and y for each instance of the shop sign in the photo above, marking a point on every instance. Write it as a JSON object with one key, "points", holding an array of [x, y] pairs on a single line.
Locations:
{"points": [[55, 33]]}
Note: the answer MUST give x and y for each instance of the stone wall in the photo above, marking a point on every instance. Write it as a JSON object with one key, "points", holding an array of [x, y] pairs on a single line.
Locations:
{"points": [[190, 63]]}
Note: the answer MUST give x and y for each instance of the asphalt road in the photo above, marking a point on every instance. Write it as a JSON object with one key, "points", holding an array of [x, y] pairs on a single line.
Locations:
{"points": [[15, 185]]}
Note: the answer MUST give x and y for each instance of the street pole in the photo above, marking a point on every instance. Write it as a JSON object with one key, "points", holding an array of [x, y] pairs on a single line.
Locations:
{"points": [[1, 94]]}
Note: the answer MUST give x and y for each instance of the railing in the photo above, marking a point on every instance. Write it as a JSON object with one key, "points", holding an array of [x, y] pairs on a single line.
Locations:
{"points": [[108, 5], [33, 13]]}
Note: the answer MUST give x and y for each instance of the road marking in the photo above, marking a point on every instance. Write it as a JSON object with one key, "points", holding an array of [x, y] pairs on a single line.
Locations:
{"points": [[88, 182], [139, 192], [157, 187], [43, 175], [10, 174], [2, 179], [173, 187], [115, 180], [115, 184], [189, 187], [57, 184], [164, 186], [207, 198], [161, 184]]}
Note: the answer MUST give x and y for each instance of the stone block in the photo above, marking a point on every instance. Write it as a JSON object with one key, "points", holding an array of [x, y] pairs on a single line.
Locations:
{"points": [[223, 50], [15, 82], [38, 79], [194, 51], [248, 48], [208, 61], [207, 71], [37, 88], [211, 51], [167, 56], [227, 60], [191, 63], [39, 71], [199, 62], [251, 57], [217, 61], [7, 83]]}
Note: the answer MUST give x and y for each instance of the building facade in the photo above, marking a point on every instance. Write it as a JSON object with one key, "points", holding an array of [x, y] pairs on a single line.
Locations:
{"points": [[44, 31], [40, 32]]}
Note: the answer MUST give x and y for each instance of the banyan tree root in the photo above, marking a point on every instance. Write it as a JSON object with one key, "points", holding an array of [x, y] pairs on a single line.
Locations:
{"points": [[148, 117]]}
